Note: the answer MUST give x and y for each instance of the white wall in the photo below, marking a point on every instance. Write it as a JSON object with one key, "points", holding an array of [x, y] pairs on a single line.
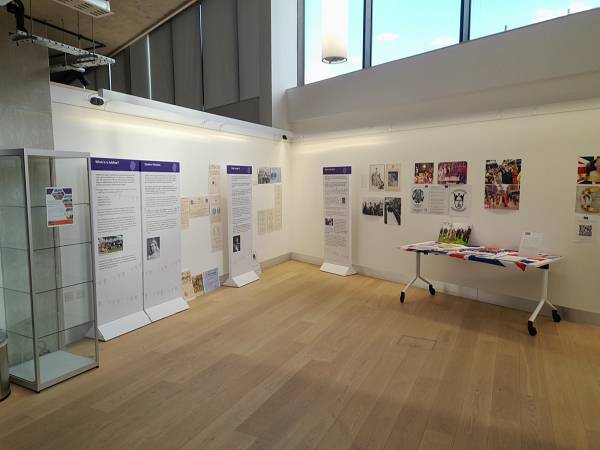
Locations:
{"points": [[110, 134], [549, 140], [549, 62]]}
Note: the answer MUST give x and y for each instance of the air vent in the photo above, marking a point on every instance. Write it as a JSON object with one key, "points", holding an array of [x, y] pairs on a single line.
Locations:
{"points": [[94, 8]]}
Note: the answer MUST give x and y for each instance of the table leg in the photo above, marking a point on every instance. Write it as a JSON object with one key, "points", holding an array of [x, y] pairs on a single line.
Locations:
{"points": [[415, 278], [544, 300]]}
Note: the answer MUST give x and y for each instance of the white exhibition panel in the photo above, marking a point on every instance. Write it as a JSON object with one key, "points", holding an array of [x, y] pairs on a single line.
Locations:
{"points": [[161, 244], [117, 216], [239, 226], [337, 221]]}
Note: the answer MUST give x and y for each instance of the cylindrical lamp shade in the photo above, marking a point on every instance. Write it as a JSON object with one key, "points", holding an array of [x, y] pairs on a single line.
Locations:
{"points": [[334, 27]]}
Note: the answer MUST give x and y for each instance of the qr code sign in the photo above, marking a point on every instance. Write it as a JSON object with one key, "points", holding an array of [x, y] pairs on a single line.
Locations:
{"points": [[585, 230]]}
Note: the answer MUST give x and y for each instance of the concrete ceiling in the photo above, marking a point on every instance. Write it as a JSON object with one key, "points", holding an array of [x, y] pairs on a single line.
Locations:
{"points": [[131, 18]]}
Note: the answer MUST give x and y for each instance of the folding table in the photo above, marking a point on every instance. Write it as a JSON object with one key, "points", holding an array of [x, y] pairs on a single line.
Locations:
{"points": [[499, 257]]}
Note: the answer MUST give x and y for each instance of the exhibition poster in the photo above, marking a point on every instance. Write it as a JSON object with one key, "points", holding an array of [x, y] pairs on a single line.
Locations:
{"points": [[459, 199], [423, 173], [270, 220], [429, 199], [587, 199], [211, 280], [337, 220], [376, 177], [199, 207], [197, 284], [240, 226], [392, 177], [588, 170], [185, 213], [214, 179], [419, 196], [502, 184], [59, 206], [454, 172], [392, 211], [216, 227], [187, 288], [269, 175], [455, 233], [161, 232], [118, 236]]}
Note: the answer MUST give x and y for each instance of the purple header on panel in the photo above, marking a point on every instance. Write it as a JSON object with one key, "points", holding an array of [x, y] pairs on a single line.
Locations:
{"points": [[347, 170], [239, 170], [159, 166], [120, 165]]}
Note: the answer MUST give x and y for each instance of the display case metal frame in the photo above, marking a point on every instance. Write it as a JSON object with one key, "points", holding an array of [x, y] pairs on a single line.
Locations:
{"points": [[25, 153]]}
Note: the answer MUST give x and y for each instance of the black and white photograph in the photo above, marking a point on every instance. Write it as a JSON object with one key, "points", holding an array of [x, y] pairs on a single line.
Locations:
{"points": [[392, 212], [237, 244], [372, 207], [153, 248], [328, 221], [264, 175], [376, 177]]}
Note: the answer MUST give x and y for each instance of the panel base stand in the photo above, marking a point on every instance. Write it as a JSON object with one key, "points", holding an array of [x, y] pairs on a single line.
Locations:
{"points": [[336, 269], [242, 280], [167, 309], [123, 325]]}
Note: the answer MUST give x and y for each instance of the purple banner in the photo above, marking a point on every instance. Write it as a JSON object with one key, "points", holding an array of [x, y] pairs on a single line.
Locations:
{"points": [[239, 170], [120, 165], [159, 166], [347, 170]]}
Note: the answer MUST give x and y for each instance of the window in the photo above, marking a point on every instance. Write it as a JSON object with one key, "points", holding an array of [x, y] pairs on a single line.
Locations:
{"points": [[314, 68], [404, 28], [494, 16]]}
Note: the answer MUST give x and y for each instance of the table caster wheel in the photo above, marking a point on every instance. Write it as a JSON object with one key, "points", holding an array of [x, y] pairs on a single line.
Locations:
{"points": [[402, 296], [532, 330], [555, 315], [431, 290]]}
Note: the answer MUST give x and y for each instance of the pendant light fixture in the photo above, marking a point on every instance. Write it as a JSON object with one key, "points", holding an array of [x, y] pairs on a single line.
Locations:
{"points": [[334, 29]]}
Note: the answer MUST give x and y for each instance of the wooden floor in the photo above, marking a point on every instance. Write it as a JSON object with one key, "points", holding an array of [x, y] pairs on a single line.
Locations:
{"points": [[303, 359]]}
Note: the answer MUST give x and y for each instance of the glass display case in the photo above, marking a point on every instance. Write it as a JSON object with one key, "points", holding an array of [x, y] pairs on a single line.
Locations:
{"points": [[47, 296]]}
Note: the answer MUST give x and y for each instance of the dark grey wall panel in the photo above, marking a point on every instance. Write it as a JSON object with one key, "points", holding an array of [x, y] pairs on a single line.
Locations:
{"points": [[247, 110], [121, 79], [161, 64], [249, 48], [221, 86], [138, 60], [102, 78], [187, 58]]}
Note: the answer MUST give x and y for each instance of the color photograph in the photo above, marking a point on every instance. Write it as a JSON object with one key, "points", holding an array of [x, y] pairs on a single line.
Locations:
{"points": [[588, 170], [392, 177], [587, 200], [506, 172], [110, 244], [454, 172], [502, 196], [376, 177], [424, 173]]}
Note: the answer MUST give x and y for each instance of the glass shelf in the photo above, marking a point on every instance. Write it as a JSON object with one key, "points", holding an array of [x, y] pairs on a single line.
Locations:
{"points": [[47, 296]]}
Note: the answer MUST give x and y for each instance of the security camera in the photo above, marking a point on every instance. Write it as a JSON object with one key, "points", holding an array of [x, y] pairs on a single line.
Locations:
{"points": [[96, 100]]}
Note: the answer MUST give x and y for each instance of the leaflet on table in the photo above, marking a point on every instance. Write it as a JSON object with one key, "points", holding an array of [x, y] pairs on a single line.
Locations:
{"points": [[161, 233], [336, 192], [117, 234]]}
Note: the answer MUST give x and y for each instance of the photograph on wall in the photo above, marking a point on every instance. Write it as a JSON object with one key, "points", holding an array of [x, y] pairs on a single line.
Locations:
{"points": [[587, 200], [214, 185], [185, 213], [197, 283], [187, 287], [506, 172], [153, 248], [110, 244], [237, 243], [392, 177], [199, 207], [275, 174], [459, 199], [455, 233], [419, 199], [454, 172], [264, 175], [372, 206], [59, 206], [392, 212], [502, 196], [424, 173], [588, 170], [215, 208], [376, 177]]}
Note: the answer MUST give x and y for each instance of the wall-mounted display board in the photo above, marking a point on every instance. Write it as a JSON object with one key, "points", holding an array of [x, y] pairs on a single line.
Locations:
{"points": [[241, 267], [337, 221], [117, 237], [137, 239]]}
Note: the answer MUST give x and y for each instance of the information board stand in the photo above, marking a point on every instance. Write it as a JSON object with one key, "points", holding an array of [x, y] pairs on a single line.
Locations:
{"points": [[239, 226], [337, 221]]}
